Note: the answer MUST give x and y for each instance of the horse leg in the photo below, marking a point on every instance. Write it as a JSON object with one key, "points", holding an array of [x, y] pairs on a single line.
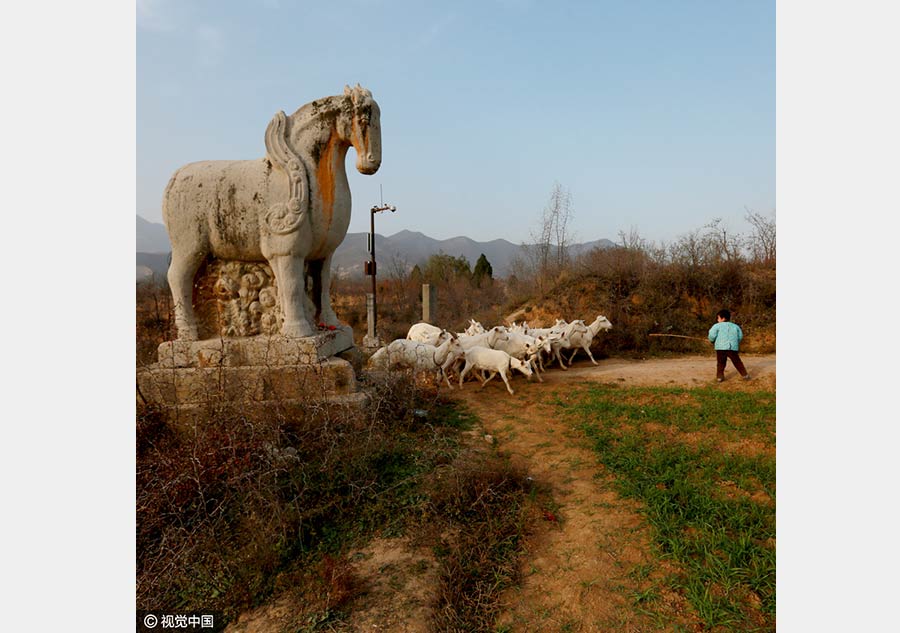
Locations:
{"points": [[323, 294], [290, 275], [314, 276], [181, 273]]}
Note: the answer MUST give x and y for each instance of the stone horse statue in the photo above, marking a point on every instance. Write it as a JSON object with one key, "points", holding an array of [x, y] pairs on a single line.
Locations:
{"points": [[290, 209]]}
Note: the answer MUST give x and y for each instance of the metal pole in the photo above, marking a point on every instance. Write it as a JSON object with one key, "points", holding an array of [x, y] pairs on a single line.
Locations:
{"points": [[372, 253], [375, 209]]}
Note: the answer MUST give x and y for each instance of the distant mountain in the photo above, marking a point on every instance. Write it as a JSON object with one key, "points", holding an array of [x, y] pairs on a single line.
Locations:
{"points": [[402, 251], [152, 237], [408, 248]]}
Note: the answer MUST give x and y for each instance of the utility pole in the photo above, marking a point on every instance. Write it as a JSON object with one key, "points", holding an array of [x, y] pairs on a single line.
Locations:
{"points": [[371, 339]]}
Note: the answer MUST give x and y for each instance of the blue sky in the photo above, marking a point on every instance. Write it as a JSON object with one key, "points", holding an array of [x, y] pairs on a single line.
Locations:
{"points": [[654, 115]]}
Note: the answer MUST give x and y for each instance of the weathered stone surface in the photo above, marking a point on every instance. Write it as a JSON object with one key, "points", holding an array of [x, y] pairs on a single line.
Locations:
{"points": [[260, 351], [355, 357], [181, 386], [289, 210], [269, 370]]}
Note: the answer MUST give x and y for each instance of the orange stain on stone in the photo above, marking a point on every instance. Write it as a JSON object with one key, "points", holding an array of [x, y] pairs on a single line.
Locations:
{"points": [[325, 178], [362, 142]]}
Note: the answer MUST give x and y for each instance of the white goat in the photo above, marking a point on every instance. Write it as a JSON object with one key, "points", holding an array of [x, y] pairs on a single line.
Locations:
{"points": [[474, 328], [485, 339], [557, 328], [518, 328], [420, 357], [552, 337], [490, 339], [582, 340], [526, 348], [563, 340], [427, 333], [494, 361]]}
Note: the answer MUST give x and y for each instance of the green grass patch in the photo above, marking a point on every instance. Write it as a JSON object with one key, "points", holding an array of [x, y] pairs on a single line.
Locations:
{"points": [[704, 503], [734, 415]]}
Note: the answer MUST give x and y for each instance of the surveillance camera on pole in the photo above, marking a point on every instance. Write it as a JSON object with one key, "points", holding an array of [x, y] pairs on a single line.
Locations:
{"points": [[371, 339]]}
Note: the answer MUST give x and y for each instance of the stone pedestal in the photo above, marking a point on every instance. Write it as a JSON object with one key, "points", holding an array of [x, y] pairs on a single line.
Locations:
{"points": [[260, 371]]}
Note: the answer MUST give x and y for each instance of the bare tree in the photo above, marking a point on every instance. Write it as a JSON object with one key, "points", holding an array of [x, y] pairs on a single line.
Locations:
{"points": [[687, 250], [398, 268], [719, 244], [560, 215], [632, 239], [549, 253], [762, 240]]}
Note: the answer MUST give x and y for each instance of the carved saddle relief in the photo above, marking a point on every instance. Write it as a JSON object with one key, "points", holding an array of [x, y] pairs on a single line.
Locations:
{"points": [[286, 217]]}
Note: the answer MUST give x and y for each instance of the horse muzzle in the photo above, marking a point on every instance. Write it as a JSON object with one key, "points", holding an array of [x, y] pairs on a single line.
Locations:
{"points": [[369, 165]]}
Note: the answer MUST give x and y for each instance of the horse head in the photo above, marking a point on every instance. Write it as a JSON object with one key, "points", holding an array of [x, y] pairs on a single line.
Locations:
{"points": [[323, 125], [362, 128]]}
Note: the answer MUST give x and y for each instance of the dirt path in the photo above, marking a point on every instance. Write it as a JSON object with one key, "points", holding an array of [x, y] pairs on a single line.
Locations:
{"points": [[588, 561], [683, 371]]}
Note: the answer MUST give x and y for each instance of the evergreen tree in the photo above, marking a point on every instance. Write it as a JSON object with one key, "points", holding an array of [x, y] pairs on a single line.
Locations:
{"points": [[415, 275], [483, 269]]}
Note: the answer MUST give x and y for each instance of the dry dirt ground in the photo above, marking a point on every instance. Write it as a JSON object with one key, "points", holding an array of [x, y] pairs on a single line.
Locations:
{"points": [[588, 557]]}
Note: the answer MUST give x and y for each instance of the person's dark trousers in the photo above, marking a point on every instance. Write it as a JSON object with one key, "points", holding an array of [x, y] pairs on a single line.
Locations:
{"points": [[721, 356]]}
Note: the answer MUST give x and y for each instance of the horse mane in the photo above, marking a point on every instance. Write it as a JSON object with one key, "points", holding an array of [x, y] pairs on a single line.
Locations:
{"points": [[353, 99], [313, 109]]}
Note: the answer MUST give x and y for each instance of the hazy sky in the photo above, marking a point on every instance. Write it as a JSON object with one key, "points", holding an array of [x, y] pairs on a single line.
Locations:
{"points": [[655, 115]]}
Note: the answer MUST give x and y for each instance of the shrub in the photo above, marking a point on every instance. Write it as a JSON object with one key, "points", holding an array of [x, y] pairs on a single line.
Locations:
{"points": [[154, 319], [226, 505], [481, 500]]}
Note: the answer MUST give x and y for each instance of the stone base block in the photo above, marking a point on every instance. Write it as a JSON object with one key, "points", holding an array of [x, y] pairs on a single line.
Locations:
{"points": [[256, 351], [178, 386], [267, 374]]}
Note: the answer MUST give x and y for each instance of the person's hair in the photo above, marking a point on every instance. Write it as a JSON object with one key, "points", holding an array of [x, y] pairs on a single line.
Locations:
{"points": [[725, 314]]}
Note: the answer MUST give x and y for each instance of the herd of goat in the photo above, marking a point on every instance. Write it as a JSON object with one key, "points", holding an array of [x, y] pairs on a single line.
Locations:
{"points": [[495, 351]]}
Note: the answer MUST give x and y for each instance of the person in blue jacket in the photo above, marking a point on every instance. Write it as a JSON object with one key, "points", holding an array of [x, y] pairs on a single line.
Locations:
{"points": [[726, 336]]}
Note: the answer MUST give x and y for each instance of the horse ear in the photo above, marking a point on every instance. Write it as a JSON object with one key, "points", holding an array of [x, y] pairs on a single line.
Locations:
{"points": [[346, 90]]}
